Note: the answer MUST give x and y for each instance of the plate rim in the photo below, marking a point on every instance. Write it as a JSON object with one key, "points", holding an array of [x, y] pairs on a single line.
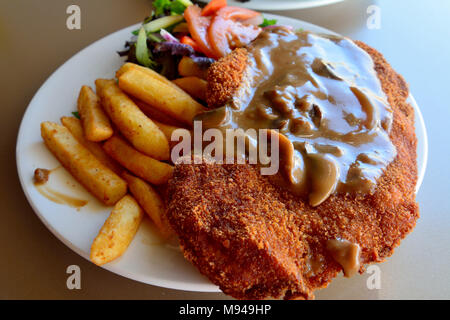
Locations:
{"points": [[171, 284]]}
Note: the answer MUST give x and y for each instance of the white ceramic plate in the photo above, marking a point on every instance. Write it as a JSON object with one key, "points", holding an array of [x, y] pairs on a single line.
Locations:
{"points": [[280, 4], [146, 260]]}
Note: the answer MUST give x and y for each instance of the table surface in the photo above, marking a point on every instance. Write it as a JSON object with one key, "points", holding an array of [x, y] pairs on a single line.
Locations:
{"points": [[414, 37]]}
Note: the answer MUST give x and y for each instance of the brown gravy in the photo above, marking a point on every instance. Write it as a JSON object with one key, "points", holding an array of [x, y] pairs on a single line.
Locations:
{"points": [[41, 177], [322, 93], [346, 254]]}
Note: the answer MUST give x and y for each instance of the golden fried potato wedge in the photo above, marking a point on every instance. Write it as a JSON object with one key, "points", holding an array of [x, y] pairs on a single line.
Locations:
{"points": [[117, 232], [188, 68], [95, 122], [143, 166], [76, 129], [98, 179], [167, 129], [176, 103], [149, 72], [140, 130], [156, 114], [150, 201], [195, 86]]}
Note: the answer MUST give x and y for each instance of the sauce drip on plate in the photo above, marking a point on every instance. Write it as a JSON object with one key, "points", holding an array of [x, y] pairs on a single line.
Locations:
{"points": [[41, 177]]}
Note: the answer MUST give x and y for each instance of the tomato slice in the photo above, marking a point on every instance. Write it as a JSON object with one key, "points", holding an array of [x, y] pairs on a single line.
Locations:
{"points": [[213, 6], [198, 28], [190, 42], [226, 35], [237, 13]]}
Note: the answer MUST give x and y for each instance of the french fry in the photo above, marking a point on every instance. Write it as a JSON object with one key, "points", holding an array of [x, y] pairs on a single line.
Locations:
{"points": [[76, 129], [143, 166], [176, 103], [149, 72], [166, 124], [156, 114], [143, 134], [150, 201], [195, 86], [98, 179], [95, 122], [167, 129], [117, 232], [188, 68]]}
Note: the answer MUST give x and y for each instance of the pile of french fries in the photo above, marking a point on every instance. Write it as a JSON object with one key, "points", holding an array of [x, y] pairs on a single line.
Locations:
{"points": [[119, 148]]}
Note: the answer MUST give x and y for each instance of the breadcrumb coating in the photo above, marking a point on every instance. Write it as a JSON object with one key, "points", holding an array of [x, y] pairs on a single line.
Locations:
{"points": [[225, 77], [255, 240]]}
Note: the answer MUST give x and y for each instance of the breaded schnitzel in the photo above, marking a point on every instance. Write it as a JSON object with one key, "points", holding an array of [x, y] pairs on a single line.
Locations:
{"points": [[256, 240]]}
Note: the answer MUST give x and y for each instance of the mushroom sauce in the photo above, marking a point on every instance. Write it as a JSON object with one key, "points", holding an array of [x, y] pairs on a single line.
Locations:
{"points": [[323, 95]]}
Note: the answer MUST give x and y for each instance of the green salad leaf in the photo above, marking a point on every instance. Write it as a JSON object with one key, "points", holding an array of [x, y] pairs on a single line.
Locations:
{"points": [[162, 23], [177, 7], [142, 52], [76, 114], [268, 22], [161, 6], [174, 7], [186, 3]]}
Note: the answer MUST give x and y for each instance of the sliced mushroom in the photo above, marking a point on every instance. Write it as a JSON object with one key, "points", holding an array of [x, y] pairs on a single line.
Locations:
{"points": [[324, 177], [282, 99], [315, 114], [264, 113], [305, 103], [281, 124], [367, 105], [367, 158], [292, 165], [327, 148], [301, 126], [213, 118], [324, 69]]}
